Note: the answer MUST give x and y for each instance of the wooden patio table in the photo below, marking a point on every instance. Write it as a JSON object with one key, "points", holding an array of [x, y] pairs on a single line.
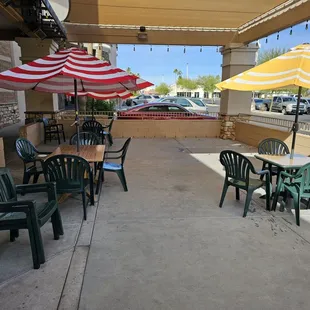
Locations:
{"points": [[91, 153]]}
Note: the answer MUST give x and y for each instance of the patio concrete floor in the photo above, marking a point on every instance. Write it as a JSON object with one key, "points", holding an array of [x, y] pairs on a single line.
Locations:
{"points": [[165, 244]]}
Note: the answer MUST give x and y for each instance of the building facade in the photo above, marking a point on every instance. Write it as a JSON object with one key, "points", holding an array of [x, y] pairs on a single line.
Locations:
{"points": [[195, 93]]}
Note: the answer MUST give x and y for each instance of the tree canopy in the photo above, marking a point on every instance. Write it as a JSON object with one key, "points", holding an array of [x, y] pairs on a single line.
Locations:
{"points": [[162, 89], [188, 84], [266, 55], [208, 82], [178, 73]]}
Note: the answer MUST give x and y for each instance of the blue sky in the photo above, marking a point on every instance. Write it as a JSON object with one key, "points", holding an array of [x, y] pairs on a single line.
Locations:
{"points": [[158, 65]]}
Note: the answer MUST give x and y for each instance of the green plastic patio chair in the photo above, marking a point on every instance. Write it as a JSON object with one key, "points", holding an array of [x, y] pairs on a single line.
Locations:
{"points": [[107, 132], [297, 185], [115, 167], [271, 146], [27, 214], [72, 174], [239, 171], [94, 127], [86, 138], [30, 156]]}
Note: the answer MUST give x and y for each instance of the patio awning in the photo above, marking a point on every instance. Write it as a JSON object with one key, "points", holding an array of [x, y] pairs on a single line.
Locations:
{"points": [[208, 22]]}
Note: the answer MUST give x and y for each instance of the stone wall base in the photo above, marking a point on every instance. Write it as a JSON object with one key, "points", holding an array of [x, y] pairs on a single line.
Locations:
{"points": [[228, 125]]}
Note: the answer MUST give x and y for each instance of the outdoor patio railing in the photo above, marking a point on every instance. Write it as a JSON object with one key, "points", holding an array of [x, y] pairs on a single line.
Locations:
{"points": [[304, 127], [149, 115]]}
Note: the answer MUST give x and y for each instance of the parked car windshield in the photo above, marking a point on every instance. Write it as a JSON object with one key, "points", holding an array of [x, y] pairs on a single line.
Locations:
{"points": [[198, 102], [289, 99]]}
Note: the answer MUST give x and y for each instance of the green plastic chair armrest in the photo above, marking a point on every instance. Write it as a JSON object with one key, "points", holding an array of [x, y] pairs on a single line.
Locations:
{"points": [[17, 206]]}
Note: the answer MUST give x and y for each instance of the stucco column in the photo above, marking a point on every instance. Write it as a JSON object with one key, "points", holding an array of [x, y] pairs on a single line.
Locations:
{"points": [[236, 59], [32, 49]]}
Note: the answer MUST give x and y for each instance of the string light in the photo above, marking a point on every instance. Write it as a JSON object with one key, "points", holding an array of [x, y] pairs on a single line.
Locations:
{"points": [[278, 36], [291, 31], [151, 48], [217, 49], [200, 49], [307, 25], [134, 48], [184, 50], [266, 40], [168, 49], [117, 47]]}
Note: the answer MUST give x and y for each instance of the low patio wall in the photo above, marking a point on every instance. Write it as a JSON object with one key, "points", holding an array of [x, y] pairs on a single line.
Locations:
{"points": [[33, 132], [159, 128], [2, 158], [253, 134]]}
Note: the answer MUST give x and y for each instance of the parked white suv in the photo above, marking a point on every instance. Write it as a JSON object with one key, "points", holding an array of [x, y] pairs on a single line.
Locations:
{"points": [[287, 105], [191, 104]]}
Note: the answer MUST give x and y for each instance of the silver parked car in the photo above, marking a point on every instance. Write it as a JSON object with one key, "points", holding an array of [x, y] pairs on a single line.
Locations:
{"points": [[306, 101], [287, 105], [191, 104], [144, 99]]}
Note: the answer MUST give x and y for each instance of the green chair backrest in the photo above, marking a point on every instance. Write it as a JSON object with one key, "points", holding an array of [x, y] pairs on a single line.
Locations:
{"points": [[302, 177], [111, 124], [7, 188], [124, 150], [271, 146], [237, 166], [93, 126], [67, 171], [25, 150], [86, 138]]}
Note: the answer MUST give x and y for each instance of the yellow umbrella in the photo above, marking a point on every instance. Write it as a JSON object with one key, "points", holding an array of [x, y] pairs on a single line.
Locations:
{"points": [[287, 70]]}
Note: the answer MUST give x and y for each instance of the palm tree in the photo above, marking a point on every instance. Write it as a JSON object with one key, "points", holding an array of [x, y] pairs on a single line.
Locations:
{"points": [[178, 73]]}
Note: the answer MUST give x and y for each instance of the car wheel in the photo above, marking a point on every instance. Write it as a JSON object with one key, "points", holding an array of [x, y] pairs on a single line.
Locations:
{"points": [[284, 111]]}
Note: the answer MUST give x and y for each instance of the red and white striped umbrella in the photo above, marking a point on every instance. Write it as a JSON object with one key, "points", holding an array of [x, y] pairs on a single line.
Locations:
{"points": [[56, 73], [104, 96]]}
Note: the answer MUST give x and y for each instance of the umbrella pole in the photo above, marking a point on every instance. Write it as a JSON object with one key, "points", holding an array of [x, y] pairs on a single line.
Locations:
{"points": [[92, 109], [77, 119], [295, 126]]}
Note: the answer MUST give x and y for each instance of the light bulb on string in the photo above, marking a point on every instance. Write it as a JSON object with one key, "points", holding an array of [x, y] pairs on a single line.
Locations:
{"points": [[307, 25], [117, 47], [151, 48], [168, 49], [134, 47], [217, 49], [278, 36], [291, 31], [200, 49], [184, 50], [266, 40]]}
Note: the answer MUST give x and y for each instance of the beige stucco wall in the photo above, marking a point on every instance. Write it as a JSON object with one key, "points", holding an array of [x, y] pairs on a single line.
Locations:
{"points": [[32, 132], [2, 158], [253, 134], [158, 128]]}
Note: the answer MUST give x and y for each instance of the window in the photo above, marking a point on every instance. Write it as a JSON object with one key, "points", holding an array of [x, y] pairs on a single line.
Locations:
{"points": [[196, 94], [147, 97], [156, 97], [189, 94], [289, 99], [155, 109], [184, 103], [181, 94], [206, 95], [171, 100], [175, 109], [198, 102]]}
